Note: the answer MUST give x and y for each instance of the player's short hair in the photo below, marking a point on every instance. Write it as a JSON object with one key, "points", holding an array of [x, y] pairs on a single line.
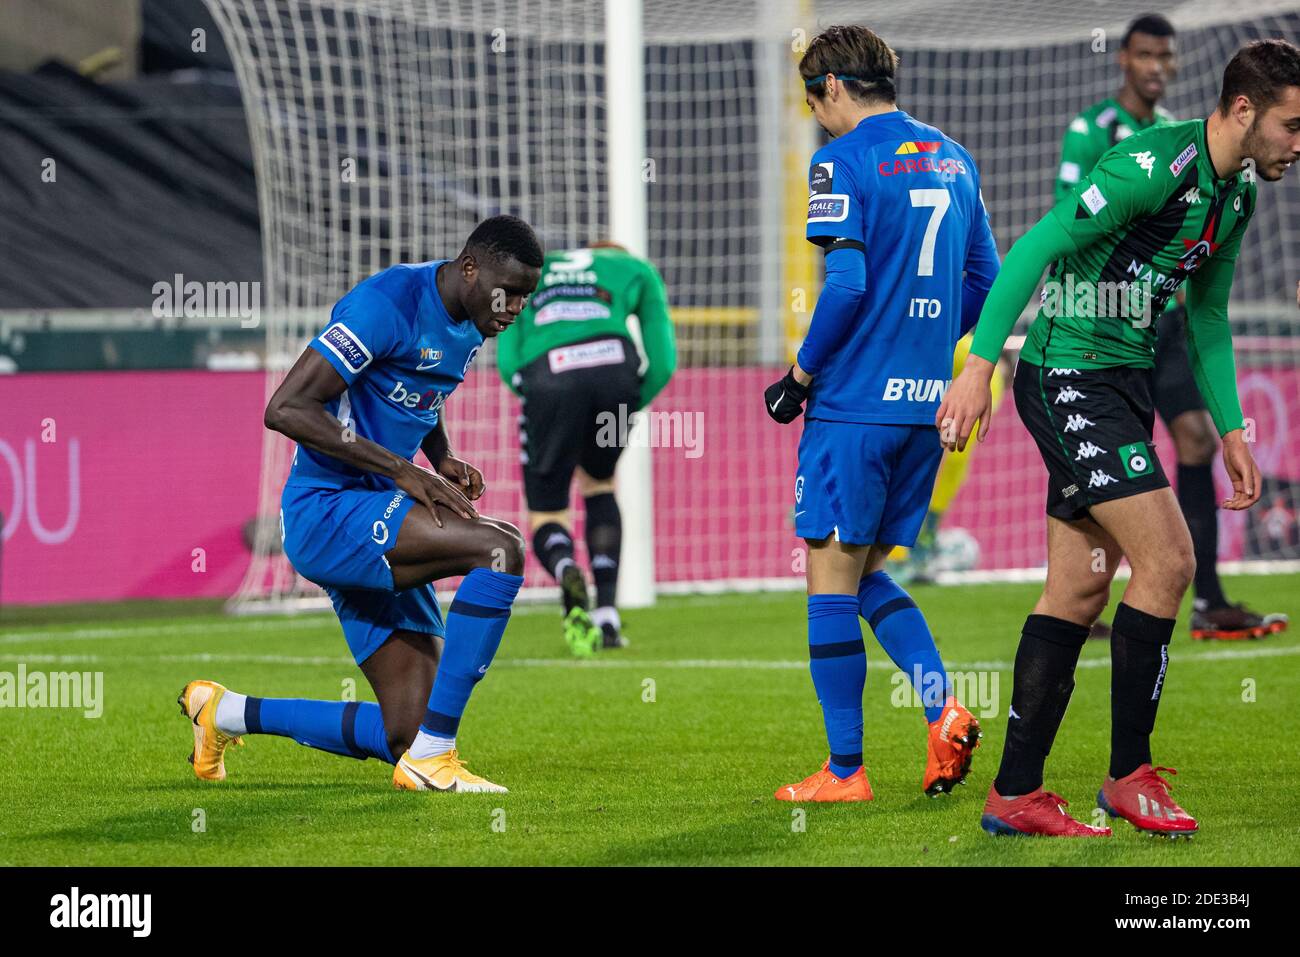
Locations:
{"points": [[1260, 70], [505, 237], [858, 57], [1149, 24]]}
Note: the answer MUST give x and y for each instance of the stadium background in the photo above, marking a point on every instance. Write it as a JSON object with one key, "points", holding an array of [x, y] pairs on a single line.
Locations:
{"points": [[130, 441]]}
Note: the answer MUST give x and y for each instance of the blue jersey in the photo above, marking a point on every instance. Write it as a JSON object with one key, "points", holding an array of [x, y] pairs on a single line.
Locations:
{"points": [[401, 354], [909, 197]]}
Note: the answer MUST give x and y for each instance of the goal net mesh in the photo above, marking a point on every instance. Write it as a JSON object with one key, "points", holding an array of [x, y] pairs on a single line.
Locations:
{"points": [[384, 130]]}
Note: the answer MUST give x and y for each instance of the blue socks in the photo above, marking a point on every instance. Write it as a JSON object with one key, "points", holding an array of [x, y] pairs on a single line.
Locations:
{"points": [[838, 662], [475, 623], [351, 728], [901, 630]]}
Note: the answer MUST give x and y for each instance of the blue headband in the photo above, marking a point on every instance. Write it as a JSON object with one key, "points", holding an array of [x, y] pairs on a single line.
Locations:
{"points": [[822, 78]]}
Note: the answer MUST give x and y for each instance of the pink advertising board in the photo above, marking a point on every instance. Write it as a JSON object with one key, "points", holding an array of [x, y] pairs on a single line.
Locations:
{"points": [[139, 484]]}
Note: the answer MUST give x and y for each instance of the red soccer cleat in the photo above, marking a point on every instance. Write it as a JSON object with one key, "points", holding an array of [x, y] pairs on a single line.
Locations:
{"points": [[825, 786], [1142, 798], [1037, 813], [954, 736]]}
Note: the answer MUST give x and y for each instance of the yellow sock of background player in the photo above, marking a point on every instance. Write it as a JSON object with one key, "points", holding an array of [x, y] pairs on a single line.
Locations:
{"points": [[952, 472]]}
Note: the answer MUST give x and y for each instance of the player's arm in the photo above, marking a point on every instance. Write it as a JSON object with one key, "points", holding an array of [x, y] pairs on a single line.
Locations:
{"points": [[361, 330], [656, 335], [835, 223], [437, 448], [1209, 348]]}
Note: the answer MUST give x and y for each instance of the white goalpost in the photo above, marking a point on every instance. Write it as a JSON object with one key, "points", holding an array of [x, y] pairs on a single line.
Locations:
{"points": [[384, 130]]}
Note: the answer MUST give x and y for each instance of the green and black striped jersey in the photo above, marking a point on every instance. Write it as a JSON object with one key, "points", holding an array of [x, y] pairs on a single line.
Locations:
{"points": [[1150, 214]]}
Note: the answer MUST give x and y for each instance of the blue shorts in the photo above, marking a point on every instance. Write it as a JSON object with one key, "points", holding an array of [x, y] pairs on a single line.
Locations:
{"points": [[864, 484], [337, 538]]}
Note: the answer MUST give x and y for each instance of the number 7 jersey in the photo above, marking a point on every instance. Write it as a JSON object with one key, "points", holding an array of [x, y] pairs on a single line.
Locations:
{"points": [[911, 197]]}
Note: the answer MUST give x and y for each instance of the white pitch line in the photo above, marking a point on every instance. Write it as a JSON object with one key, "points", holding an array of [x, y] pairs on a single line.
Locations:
{"points": [[134, 631], [744, 664], [222, 626]]}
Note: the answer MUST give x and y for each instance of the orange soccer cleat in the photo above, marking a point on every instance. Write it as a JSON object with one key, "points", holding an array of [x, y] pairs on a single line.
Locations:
{"points": [[198, 701], [954, 736], [825, 786]]}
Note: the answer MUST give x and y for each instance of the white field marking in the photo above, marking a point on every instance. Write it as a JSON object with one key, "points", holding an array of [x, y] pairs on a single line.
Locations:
{"points": [[219, 626], [144, 631], [754, 664]]}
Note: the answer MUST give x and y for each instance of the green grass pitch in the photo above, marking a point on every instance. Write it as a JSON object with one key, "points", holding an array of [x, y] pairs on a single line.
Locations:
{"points": [[600, 775]]}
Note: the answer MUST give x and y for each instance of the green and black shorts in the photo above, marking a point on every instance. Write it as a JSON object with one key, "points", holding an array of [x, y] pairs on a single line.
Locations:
{"points": [[1093, 430]]}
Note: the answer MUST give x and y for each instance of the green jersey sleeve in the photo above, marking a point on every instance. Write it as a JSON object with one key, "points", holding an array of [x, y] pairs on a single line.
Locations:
{"points": [[1209, 335], [656, 335], [1016, 282], [1118, 190]]}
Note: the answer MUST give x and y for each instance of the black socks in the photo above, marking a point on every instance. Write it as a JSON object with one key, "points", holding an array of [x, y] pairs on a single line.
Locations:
{"points": [[553, 546], [1044, 678], [604, 543], [1196, 497], [1139, 653]]}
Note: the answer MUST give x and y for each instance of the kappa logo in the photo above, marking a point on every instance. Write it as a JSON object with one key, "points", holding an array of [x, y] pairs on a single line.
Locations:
{"points": [[1099, 479], [1088, 450], [1064, 372], [1193, 196], [1069, 394], [1077, 423], [1146, 160]]}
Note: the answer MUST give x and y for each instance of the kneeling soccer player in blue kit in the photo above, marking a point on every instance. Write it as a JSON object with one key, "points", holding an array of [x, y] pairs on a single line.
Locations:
{"points": [[375, 531]]}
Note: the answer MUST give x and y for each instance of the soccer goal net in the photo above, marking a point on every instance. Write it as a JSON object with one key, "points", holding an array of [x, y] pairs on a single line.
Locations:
{"points": [[384, 130]]}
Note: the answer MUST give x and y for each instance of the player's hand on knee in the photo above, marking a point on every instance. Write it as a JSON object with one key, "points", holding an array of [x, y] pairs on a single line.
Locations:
{"points": [[1242, 472], [431, 489], [784, 399], [467, 477]]}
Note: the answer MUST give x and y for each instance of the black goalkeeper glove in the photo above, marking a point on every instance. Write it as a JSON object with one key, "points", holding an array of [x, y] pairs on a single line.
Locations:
{"points": [[785, 399]]}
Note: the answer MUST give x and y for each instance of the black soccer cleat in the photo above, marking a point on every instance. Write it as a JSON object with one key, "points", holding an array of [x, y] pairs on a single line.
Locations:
{"points": [[573, 589], [611, 637]]}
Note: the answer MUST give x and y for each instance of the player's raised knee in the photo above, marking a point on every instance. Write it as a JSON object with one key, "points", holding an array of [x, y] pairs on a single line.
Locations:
{"points": [[503, 549]]}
